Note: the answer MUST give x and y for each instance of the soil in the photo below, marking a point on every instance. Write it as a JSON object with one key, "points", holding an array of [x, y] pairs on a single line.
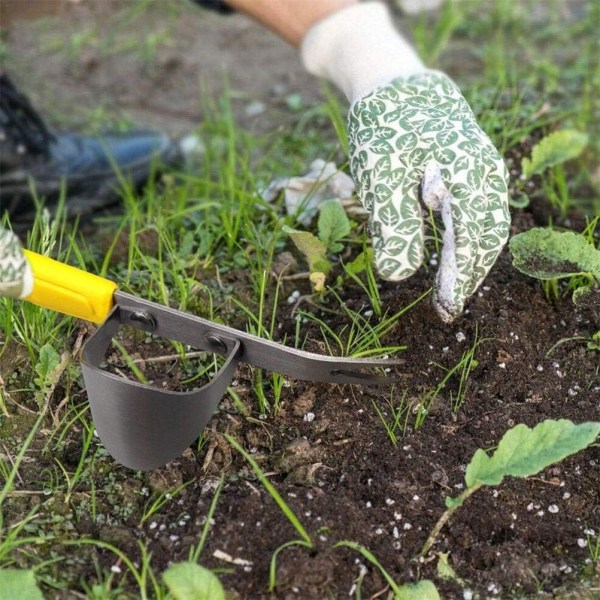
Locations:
{"points": [[339, 472]]}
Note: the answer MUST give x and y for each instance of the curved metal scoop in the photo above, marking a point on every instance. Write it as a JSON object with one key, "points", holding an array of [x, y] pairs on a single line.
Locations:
{"points": [[144, 427], [141, 426]]}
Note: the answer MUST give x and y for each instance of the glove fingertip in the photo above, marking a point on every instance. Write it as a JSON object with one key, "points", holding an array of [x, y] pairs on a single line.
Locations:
{"points": [[446, 310]]}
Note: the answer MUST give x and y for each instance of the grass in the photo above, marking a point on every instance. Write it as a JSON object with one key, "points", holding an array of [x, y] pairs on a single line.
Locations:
{"points": [[461, 371], [206, 243]]}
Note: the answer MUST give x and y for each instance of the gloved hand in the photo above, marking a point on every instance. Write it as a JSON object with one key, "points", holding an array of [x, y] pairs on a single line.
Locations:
{"points": [[16, 278], [403, 119]]}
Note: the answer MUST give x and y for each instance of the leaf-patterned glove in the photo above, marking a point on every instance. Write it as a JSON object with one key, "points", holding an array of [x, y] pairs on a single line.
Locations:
{"points": [[413, 136], [394, 132], [16, 279]]}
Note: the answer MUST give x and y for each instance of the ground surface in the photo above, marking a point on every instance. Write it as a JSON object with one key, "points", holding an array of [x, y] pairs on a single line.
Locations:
{"points": [[338, 470]]}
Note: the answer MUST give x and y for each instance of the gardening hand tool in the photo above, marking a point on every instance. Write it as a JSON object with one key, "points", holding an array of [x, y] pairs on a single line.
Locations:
{"points": [[403, 117], [142, 426]]}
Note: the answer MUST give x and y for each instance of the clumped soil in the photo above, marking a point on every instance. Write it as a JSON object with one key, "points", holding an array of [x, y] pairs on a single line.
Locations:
{"points": [[339, 471]]}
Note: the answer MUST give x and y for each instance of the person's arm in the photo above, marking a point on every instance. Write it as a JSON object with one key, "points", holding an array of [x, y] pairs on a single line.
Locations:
{"points": [[290, 19]]}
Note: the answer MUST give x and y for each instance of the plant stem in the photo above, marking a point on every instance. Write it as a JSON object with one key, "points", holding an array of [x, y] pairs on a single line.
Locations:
{"points": [[444, 519]]}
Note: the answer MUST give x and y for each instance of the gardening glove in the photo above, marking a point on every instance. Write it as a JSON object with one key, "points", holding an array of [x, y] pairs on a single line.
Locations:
{"points": [[16, 278], [404, 118]]}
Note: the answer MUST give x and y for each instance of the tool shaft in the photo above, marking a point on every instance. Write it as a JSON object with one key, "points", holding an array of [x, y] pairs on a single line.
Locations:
{"points": [[206, 335]]}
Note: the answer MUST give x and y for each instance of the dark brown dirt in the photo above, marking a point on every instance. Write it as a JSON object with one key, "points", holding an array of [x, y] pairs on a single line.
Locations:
{"points": [[340, 473], [389, 497]]}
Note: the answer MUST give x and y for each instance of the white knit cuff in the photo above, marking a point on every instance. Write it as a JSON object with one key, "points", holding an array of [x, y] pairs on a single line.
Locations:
{"points": [[359, 49]]}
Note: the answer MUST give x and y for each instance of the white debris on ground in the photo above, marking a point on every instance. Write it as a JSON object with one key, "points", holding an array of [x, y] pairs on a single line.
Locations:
{"points": [[242, 562], [305, 193]]}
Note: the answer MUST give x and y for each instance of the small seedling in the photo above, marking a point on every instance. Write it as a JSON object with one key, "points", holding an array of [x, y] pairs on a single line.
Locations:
{"points": [[554, 149], [549, 154], [157, 501], [522, 452], [306, 540], [333, 226], [398, 421], [547, 254], [462, 369]]}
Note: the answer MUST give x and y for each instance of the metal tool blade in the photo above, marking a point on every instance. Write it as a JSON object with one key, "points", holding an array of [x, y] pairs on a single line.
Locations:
{"points": [[206, 335]]}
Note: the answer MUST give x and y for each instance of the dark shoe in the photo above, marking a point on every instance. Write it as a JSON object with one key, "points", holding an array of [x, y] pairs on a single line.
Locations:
{"points": [[89, 169]]}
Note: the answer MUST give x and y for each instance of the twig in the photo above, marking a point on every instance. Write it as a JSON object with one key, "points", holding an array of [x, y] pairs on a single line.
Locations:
{"points": [[296, 276], [167, 357], [25, 492]]}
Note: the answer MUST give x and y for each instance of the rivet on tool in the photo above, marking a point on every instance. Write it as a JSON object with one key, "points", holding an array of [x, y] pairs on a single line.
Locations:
{"points": [[144, 320], [217, 343]]}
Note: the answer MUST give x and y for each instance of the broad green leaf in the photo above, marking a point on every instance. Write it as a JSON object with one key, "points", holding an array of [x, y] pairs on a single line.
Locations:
{"points": [[424, 590], [333, 223], [524, 451], [47, 371], [18, 584], [521, 202], [48, 361], [546, 254], [554, 149], [359, 264], [190, 581], [311, 247]]}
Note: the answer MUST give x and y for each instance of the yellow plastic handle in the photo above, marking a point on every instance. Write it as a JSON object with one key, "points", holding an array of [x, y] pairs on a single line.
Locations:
{"points": [[69, 290]]}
